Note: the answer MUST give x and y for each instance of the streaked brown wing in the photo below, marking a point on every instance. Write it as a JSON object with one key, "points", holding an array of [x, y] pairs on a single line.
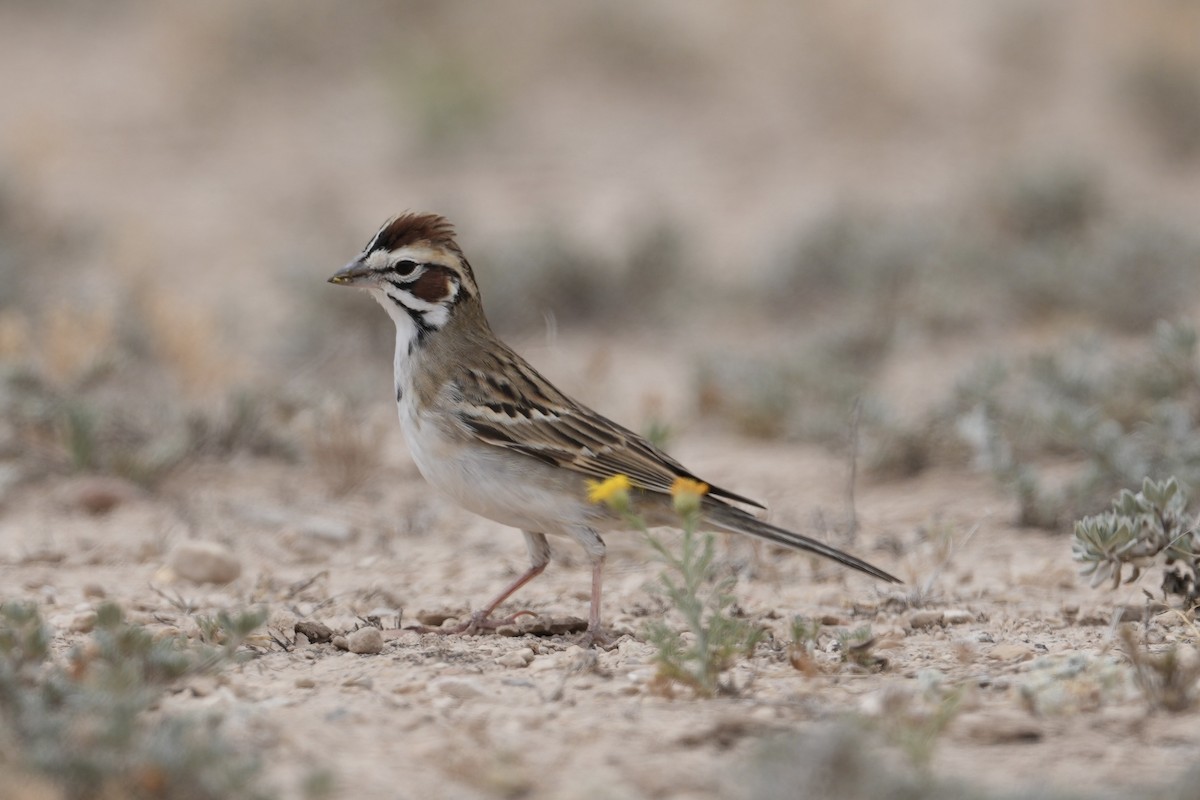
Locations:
{"points": [[521, 411]]}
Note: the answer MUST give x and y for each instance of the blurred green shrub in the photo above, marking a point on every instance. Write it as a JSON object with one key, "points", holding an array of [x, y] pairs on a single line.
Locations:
{"points": [[87, 724]]}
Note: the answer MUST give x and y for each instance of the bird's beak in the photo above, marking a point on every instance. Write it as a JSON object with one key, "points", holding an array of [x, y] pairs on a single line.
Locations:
{"points": [[353, 274]]}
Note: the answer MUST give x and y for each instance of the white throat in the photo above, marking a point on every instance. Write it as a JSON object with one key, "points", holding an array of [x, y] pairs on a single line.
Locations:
{"points": [[406, 339]]}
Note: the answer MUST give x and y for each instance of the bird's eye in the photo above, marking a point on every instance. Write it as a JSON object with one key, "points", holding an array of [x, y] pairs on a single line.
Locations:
{"points": [[404, 268]]}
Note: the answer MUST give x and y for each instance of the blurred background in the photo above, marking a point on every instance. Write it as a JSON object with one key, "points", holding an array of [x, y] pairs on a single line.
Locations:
{"points": [[943, 254], [832, 221]]}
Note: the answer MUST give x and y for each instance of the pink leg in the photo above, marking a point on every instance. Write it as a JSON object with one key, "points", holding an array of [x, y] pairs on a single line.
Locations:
{"points": [[530, 574], [481, 620], [539, 551], [595, 635]]}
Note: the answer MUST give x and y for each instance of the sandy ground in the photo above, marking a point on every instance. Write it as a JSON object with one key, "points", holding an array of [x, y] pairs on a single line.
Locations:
{"points": [[223, 158], [529, 716]]}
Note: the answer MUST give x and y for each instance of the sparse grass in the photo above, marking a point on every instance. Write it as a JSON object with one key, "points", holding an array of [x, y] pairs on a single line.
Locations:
{"points": [[1167, 679], [810, 397], [1106, 422], [88, 395], [1041, 239], [852, 255], [1073, 683], [855, 647], [1051, 242], [88, 724], [1125, 420], [915, 720], [1046, 241], [1058, 200], [97, 423], [802, 646], [846, 761]]}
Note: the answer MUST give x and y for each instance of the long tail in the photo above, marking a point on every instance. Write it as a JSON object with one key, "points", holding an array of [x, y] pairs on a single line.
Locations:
{"points": [[737, 521]]}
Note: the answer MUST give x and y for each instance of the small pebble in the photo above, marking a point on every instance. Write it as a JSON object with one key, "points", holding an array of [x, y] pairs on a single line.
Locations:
{"points": [[204, 562], [365, 641], [305, 683], [435, 617], [340, 642], [543, 663], [82, 622], [98, 494], [408, 688], [642, 675], [94, 590], [516, 659], [314, 631]]}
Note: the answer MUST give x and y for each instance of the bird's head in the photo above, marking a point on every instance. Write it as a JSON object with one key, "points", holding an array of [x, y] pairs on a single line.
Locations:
{"points": [[415, 269]]}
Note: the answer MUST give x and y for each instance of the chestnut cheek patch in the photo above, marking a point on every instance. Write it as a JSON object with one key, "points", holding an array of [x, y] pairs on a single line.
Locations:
{"points": [[433, 286]]}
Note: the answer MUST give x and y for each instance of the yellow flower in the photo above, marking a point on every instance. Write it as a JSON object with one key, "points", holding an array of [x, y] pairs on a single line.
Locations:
{"points": [[614, 491], [687, 493], [688, 486]]}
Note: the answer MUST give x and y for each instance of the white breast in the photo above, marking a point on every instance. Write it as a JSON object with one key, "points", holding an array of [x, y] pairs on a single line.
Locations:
{"points": [[488, 481]]}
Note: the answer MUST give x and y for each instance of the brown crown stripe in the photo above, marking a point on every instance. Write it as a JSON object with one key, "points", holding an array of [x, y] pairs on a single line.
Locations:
{"points": [[409, 229]]}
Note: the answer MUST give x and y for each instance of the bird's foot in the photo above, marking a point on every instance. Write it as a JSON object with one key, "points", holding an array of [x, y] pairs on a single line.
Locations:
{"points": [[597, 637]]}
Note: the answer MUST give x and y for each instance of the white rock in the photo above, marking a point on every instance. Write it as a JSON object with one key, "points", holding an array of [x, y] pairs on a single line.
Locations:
{"points": [[543, 664], [204, 562], [640, 676], [957, 616], [82, 621], [516, 658], [365, 641]]}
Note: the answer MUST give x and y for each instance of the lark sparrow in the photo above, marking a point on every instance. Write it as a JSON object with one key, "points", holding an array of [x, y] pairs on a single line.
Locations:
{"points": [[485, 428]]}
